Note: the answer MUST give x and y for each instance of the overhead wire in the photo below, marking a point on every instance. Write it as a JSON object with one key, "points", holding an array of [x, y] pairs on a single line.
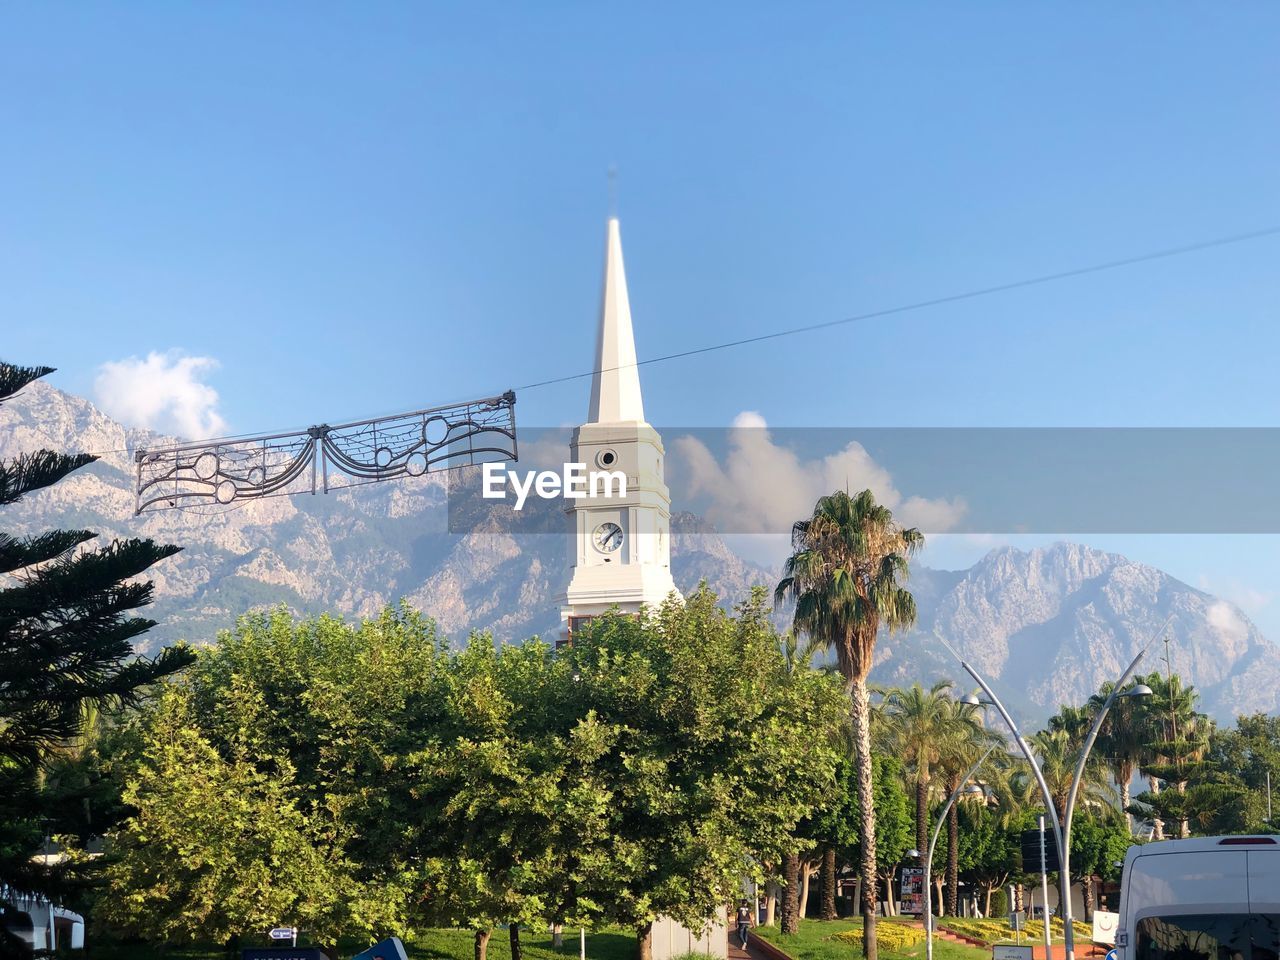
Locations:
{"points": [[932, 302], [975, 293]]}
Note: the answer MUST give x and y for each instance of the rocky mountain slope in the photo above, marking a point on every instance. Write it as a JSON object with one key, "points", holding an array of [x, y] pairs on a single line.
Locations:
{"points": [[1053, 624], [1047, 626]]}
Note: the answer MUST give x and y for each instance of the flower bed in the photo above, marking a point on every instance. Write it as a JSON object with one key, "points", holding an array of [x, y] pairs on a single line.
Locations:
{"points": [[991, 930], [891, 936]]}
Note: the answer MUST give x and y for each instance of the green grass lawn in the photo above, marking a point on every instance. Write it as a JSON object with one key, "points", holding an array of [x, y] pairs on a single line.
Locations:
{"points": [[814, 942], [431, 945]]}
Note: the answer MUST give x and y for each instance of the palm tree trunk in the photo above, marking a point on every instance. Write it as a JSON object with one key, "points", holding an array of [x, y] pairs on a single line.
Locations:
{"points": [[482, 943], [1158, 833], [644, 942], [1125, 775], [829, 883], [953, 853], [791, 893], [861, 717], [1088, 898]]}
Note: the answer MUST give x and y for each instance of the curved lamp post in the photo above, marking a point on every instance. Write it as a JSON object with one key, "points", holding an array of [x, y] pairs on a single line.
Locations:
{"points": [[964, 787], [1138, 690], [1064, 881], [1062, 834]]}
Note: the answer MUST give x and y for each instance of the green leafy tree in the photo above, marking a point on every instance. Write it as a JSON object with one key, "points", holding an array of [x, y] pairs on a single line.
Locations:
{"points": [[833, 827], [505, 844], [893, 819], [217, 846], [1247, 757], [1098, 842], [308, 718], [67, 627], [712, 753], [989, 849], [845, 576]]}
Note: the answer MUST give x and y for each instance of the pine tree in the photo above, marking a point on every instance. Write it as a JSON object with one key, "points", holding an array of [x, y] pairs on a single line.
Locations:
{"points": [[1179, 741], [66, 645]]}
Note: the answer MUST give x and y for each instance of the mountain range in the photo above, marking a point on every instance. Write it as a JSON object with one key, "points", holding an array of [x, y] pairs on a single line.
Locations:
{"points": [[1045, 626]]}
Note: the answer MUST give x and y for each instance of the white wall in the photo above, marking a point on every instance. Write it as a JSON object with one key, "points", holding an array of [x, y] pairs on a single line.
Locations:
{"points": [[670, 939]]}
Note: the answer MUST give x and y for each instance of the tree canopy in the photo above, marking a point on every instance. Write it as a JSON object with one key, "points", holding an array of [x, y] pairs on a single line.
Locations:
{"points": [[67, 626]]}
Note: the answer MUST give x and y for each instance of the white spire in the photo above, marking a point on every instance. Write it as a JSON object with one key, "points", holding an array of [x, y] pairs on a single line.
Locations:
{"points": [[615, 386]]}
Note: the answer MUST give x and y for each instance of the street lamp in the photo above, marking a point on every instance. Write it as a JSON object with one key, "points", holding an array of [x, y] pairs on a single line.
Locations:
{"points": [[965, 787], [1061, 834], [1137, 691]]}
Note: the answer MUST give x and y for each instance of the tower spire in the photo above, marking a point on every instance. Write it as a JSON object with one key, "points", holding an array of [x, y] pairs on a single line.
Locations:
{"points": [[615, 385]]}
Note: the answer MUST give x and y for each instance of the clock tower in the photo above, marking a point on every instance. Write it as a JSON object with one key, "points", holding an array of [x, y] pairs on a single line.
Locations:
{"points": [[621, 543]]}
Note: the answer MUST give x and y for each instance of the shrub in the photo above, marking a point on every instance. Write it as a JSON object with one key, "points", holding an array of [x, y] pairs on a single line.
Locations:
{"points": [[992, 929], [999, 903], [891, 936]]}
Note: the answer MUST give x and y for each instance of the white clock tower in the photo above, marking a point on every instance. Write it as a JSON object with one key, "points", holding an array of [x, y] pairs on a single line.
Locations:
{"points": [[622, 544]]}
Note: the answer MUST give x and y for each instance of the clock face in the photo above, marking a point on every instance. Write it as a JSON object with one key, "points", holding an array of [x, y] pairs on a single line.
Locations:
{"points": [[608, 537]]}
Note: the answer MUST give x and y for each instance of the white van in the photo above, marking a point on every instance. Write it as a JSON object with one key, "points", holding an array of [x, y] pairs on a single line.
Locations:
{"points": [[1210, 898]]}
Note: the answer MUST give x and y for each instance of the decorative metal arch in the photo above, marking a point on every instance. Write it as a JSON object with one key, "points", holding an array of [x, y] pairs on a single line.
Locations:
{"points": [[328, 457]]}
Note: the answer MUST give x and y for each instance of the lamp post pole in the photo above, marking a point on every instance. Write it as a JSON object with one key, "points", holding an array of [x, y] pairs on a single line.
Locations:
{"points": [[933, 843], [1062, 829], [1064, 879], [1069, 812]]}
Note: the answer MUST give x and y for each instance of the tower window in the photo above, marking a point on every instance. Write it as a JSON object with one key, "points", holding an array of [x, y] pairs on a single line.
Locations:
{"points": [[575, 624]]}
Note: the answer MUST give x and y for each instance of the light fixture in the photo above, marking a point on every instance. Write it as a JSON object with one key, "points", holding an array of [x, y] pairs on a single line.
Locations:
{"points": [[1139, 690]]}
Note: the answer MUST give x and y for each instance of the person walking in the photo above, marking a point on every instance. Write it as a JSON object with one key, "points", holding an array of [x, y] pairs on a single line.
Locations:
{"points": [[744, 922]]}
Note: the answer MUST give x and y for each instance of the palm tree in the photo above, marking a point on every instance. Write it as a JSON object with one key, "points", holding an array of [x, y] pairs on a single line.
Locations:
{"points": [[962, 742], [1122, 740], [914, 727], [1059, 751], [1074, 722], [844, 574]]}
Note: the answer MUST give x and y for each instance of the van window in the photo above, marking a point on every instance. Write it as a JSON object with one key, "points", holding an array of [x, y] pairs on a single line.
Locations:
{"points": [[1230, 936]]}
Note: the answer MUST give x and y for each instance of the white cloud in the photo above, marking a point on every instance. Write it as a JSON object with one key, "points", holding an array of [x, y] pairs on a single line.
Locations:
{"points": [[163, 391], [1223, 617], [1253, 600], [763, 488]]}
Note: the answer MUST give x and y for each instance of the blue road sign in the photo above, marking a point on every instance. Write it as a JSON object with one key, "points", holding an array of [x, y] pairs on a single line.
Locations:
{"points": [[389, 949], [1112, 954], [283, 933]]}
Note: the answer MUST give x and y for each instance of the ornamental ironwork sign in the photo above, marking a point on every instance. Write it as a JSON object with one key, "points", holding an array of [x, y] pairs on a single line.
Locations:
{"points": [[324, 457]]}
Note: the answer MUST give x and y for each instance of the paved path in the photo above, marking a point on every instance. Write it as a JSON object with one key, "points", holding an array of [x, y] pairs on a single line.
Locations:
{"points": [[753, 951]]}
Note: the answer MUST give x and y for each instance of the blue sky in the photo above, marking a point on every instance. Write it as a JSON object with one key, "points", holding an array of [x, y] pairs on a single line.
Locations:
{"points": [[360, 209]]}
